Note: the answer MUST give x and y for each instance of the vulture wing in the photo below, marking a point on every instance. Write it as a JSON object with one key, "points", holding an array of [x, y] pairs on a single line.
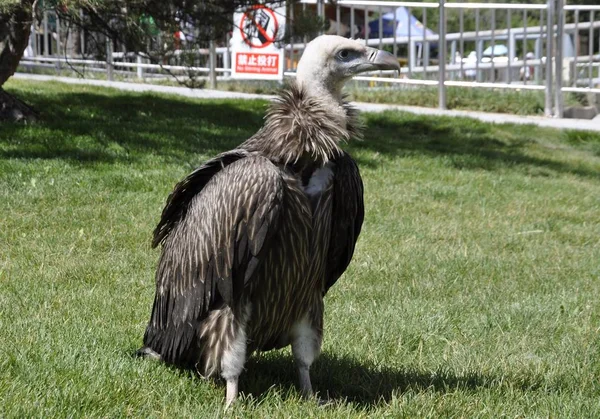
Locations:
{"points": [[215, 229], [179, 200], [347, 217]]}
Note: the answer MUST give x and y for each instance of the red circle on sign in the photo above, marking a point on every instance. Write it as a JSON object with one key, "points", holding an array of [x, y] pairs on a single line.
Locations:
{"points": [[262, 31]]}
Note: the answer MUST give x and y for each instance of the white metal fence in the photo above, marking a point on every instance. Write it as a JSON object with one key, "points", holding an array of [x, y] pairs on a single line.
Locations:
{"points": [[557, 55]]}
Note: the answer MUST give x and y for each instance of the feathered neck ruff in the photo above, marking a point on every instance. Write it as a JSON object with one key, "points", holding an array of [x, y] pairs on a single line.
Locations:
{"points": [[301, 128]]}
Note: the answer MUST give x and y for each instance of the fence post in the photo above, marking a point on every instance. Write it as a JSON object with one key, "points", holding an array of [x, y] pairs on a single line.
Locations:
{"points": [[227, 56], [212, 58], [58, 44], [34, 40], [46, 39], [109, 60], [81, 37], [139, 69], [560, 19], [442, 57], [549, 55]]}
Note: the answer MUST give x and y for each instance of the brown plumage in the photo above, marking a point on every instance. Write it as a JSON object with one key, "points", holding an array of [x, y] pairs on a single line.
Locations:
{"points": [[254, 238]]}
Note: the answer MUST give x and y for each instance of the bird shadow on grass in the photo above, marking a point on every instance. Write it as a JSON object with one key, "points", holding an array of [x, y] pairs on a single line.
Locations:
{"points": [[342, 379], [346, 380]]}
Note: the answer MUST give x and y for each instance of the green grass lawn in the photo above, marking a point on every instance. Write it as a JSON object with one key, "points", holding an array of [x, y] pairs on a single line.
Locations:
{"points": [[474, 290]]}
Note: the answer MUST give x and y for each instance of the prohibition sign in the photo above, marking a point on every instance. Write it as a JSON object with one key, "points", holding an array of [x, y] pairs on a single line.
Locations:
{"points": [[256, 24]]}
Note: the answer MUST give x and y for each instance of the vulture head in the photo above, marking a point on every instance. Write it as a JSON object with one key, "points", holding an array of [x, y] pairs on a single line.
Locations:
{"points": [[308, 121], [329, 61]]}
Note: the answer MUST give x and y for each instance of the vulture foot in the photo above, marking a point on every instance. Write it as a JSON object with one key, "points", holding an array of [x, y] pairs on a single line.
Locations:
{"points": [[146, 352], [324, 401], [305, 385]]}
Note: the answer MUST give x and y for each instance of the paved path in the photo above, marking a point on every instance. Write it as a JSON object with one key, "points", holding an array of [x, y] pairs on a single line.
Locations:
{"points": [[141, 87], [580, 124]]}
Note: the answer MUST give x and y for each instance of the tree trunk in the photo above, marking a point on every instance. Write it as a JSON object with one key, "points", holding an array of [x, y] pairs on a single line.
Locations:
{"points": [[15, 27]]}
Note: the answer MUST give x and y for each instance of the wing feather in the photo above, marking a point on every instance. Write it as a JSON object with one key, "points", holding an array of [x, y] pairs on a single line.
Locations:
{"points": [[347, 217], [179, 200], [212, 248]]}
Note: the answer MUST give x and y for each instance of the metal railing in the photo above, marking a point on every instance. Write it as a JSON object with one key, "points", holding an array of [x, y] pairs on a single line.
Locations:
{"points": [[52, 46], [500, 51], [451, 67], [580, 67]]}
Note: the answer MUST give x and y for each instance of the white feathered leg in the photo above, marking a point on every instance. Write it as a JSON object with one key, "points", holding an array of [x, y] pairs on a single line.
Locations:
{"points": [[232, 391], [306, 346], [232, 364]]}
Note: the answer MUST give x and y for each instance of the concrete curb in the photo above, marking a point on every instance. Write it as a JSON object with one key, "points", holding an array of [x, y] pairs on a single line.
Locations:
{"points": [[575, 124]]}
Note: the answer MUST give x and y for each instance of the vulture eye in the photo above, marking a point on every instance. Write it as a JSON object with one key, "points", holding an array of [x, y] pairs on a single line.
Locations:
{"points": [[344, 54]]}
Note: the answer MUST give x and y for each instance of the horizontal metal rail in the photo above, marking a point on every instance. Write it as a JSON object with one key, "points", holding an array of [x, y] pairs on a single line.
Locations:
{"points": [[432, 68], [583, 8], [388, 4], [42, 58], [580, 90], [514, 86], [125, 64], [170, 67], [382, 80], [199, 51], [450, 83], [496, 6], [397, 81]]}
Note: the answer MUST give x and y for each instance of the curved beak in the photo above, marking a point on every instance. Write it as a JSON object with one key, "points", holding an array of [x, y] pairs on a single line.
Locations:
{"points": [[376, 59], [383, 60]]}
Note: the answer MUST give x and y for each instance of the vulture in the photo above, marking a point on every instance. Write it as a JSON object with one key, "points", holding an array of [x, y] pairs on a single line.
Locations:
{"points": [[253, 239]]}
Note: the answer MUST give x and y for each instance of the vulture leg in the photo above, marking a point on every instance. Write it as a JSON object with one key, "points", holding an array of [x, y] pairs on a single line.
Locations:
{"points": [[232, 364], [306, 346], [232, 392]]}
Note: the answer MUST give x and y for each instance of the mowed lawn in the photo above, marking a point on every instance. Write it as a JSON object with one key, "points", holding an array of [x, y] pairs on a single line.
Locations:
{"points": [[474, 290]]}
